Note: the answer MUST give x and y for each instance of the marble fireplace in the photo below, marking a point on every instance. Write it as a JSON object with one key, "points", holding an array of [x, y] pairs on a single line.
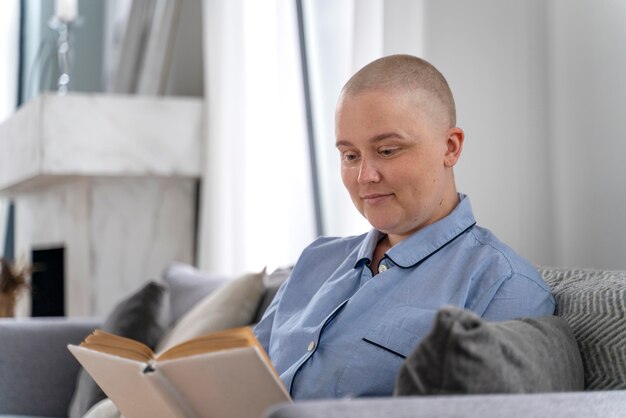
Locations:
{"points": [[108, 182]]}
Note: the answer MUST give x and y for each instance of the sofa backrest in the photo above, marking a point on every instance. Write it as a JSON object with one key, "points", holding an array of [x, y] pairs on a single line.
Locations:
{"points": [[593, 302]]}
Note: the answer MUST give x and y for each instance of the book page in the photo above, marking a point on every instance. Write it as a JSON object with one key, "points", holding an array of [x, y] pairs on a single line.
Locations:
{"points": [[216, 341], [236, 383], [120, 346], [124, 347], [124, 381]]}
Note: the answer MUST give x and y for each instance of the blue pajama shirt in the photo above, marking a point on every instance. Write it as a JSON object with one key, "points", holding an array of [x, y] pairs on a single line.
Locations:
{"points": [[335, 330]]}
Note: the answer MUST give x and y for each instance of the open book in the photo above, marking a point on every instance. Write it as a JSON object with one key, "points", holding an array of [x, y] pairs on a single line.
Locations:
{"points": [[226, 374]]}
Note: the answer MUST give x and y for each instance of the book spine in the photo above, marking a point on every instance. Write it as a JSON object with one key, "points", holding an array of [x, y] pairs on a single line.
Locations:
{"points": [[169, 392]]}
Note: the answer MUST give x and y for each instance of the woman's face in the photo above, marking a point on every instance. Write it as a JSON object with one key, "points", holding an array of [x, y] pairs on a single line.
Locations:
{"points": [[395, 160]]}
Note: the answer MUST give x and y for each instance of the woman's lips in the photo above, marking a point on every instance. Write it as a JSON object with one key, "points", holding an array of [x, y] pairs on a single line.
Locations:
{"points": [[376, 198]]}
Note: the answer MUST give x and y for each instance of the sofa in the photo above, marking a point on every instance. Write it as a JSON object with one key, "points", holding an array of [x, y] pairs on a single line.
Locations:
{"points": [[38, 376]]}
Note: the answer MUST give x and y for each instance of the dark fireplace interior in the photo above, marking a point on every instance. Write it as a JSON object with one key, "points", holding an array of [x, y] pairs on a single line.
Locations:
{"points": [[48, 289]]}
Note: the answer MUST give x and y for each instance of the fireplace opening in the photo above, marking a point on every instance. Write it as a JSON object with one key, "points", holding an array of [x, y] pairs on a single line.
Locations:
{"points": [[48, 287]]}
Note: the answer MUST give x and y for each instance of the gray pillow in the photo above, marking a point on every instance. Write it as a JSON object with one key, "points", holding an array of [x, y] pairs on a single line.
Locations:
{"points": [[464, 354], [141, 317], [187, 286], [593, 302]]}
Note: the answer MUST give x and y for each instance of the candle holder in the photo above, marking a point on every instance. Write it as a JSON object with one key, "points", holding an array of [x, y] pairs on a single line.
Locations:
{"points": [[65, 30]]}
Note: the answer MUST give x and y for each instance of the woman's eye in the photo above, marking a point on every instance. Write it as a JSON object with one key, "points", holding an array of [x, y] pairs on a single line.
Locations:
{"points": [[387, 151], [349, 156]]}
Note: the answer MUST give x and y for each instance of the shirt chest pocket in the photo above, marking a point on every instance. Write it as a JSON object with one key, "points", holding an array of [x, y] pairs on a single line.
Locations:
{"points": [[392, 339], [381, 350]]}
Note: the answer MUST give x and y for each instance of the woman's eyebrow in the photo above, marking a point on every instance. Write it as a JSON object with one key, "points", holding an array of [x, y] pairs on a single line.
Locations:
{"points": [[386, 135], [374, 139]]}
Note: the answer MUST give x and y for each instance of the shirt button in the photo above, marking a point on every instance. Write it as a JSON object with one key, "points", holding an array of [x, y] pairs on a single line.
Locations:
{"points": [[382, 268], [311, 346]]}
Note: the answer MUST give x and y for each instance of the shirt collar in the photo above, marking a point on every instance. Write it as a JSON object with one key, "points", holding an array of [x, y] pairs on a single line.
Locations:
{"points": [[424, 242], [366, 251]]}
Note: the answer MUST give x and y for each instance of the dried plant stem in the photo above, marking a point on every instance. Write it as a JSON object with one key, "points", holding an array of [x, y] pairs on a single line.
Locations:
{"points": [[7, 305], [12, 282]]}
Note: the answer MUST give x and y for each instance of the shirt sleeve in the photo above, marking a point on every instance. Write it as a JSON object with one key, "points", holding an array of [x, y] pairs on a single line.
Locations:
{"points": [[519, 297]]}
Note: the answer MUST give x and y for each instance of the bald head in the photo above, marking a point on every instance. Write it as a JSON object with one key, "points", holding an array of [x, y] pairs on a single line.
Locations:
{"points": [[406, 73]]}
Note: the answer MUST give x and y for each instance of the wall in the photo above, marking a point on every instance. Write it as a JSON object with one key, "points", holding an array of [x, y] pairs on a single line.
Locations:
{"points": [[587, 113], [539, 95], [492, 53]]}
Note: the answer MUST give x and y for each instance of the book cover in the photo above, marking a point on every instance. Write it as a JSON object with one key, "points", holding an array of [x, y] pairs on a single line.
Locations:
{"points": [[221, 375]]}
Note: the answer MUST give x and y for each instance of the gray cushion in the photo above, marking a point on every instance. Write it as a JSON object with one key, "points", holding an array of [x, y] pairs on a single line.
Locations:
{"points": [[593, 302], [465, 354], [140, 317], [187, 286], [37, 371], [24, 416], [562, 405]]}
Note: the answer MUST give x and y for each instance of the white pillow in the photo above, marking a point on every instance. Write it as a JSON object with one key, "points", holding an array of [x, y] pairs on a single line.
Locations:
{"points": [[232, 305], [187, 286], [103, 409]]}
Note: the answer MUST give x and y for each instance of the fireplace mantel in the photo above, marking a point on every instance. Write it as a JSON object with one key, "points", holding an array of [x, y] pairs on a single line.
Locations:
{"points": [[54, 137], [110, 179]]}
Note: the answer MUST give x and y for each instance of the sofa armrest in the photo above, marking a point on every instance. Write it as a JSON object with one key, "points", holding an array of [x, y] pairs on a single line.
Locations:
{"points": [[37, 372], [563, 404]]}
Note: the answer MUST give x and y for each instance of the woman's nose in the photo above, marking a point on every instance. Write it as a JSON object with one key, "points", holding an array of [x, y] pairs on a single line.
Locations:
{"points": [[368, 172]]}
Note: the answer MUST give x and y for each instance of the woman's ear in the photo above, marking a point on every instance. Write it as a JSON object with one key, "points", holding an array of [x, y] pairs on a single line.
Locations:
{"points": [[454, 146]]}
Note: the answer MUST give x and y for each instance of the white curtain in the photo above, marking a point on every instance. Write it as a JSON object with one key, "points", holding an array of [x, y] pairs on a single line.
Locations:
{"points": [[342, 36], [256, 206], [256, 199], [9, 51]]}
